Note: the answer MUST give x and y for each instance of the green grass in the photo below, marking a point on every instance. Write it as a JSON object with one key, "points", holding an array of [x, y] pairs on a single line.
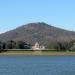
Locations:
{"points": [[20, 51], [38, 51], [32, 52]]}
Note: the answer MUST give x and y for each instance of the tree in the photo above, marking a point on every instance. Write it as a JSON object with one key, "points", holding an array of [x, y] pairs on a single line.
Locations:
{"points": [[19, 45], [54, 45], [63, 46], [10, 44], [4, 45], [22, 45], [1, 45], [72, 45]]}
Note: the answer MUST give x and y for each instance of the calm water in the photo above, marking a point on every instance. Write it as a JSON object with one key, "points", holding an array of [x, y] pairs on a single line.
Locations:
{"points": [[37, 65]]}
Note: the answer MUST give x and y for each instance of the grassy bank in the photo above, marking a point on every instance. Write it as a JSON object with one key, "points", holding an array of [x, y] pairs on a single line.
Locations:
{"points": [[30, 52]]}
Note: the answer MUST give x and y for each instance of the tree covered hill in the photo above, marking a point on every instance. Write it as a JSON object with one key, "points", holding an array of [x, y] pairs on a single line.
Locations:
{"points": [[38, 32]]}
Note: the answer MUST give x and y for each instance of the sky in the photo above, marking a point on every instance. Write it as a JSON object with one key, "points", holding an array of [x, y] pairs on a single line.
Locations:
{"points": [[58, 13]]}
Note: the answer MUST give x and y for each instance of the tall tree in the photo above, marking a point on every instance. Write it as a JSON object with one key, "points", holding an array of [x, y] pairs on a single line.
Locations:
{"points": [[10, 44], [1, 45]]}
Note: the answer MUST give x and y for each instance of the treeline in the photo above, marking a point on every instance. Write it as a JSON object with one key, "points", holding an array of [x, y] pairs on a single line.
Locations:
{"points": [[59, 46], [63, 46], [14, 45]]}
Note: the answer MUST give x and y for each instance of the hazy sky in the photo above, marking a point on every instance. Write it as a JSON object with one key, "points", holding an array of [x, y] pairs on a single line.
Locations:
{"points": [[59, 13]]}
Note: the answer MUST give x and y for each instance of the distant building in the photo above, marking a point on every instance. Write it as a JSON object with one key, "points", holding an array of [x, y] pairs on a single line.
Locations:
{"points": [[38, 47]]}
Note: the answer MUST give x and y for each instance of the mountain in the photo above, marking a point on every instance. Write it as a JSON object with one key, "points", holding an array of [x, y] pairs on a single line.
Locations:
{"points": [[38, 32]]}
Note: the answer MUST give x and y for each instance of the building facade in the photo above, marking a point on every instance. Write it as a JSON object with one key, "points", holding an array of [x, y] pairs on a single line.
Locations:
{"points": [[38, 47]]}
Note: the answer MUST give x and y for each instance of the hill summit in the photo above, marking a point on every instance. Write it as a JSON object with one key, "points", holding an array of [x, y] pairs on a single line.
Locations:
{"points": [[38, 32]]}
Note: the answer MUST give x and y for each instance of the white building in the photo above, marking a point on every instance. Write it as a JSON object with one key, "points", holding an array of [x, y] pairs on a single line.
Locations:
{"points": [[38, 47]]}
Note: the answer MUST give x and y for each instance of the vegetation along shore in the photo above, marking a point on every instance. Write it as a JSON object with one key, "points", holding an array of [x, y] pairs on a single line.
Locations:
{"points": [[36, 52], [38, 39]]}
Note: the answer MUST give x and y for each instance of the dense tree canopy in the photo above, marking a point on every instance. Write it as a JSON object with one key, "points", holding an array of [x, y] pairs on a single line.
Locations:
{"points": [[59, 46], [14, 45]]}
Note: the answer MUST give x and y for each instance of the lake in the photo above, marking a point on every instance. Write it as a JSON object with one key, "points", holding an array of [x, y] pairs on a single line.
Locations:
{"points": [[37, 65]]}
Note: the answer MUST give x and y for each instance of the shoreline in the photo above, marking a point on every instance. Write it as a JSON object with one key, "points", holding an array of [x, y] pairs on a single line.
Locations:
{"points": [[40, 53]]}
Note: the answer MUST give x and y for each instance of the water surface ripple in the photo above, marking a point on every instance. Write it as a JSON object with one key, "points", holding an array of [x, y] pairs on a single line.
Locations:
{"points": [[37, 65]]}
